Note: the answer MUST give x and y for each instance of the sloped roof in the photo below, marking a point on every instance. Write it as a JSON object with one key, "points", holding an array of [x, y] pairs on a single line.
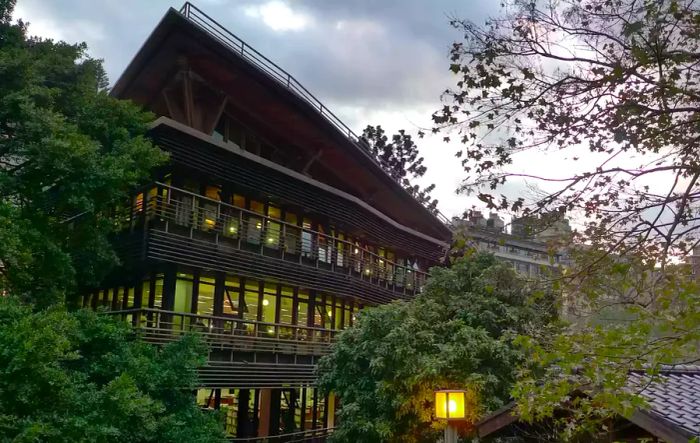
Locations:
{"points": [[674, 405], [675, 397]]}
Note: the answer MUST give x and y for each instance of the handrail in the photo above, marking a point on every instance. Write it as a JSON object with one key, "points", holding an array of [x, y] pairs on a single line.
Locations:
{"points": [[285, 79], [274, 234], [287, 438], [217, 318], [230, 332], [282, 222], [211, 26]]}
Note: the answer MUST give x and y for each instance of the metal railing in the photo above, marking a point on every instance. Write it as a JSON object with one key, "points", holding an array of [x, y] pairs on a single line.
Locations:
{"points": [[311, 435], [228, 332], [216, 30], [236, 44], [246, 229]]}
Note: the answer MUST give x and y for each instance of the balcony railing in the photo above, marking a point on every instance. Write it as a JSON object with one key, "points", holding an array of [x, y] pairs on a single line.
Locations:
{"points": [[195, 214], [227, 332], [311, 435]]}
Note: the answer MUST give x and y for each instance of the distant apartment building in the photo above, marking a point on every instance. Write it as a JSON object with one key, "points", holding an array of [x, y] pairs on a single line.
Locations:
{"points": [[530, 251]]}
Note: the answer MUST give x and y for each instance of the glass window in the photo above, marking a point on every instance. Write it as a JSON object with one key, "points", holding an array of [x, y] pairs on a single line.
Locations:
{"points": [[303, 312], [206, 398], [323, 246], [183, 293], [319, 311], [205, 297], [338, 314], [269, 307], [130, 297], [229, 408], [138, 202], [251, 301], [273, 212], [238, 200], [158, 296], [306, 238], [340, 248], [291, 235], [183, 301], [257, 206], [231, 295], [254, 229], [286, 314]]}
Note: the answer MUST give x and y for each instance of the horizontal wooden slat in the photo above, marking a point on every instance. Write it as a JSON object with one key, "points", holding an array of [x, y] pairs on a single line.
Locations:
{"points": [[257, 178]]}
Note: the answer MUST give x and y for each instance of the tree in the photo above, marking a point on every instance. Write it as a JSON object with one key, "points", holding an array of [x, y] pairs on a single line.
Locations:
{"points": [[399, 157], [69, 154], [83, 377], [457, 333], [631, 318], [613, 82]]}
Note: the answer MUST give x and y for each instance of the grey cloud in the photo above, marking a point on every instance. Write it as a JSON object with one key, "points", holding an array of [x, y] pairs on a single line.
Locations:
{"points": [[390, 55], [403, 63]]}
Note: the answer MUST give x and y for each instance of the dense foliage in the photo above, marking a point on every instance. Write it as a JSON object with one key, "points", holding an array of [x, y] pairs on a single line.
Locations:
{"points": [[401, 159], [614, 85], [458, 333], [68, 155], [631, 317], [82, 377]]}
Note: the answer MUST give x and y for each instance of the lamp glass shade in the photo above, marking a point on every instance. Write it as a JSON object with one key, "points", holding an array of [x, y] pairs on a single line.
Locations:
{"points": [[450, 405]]}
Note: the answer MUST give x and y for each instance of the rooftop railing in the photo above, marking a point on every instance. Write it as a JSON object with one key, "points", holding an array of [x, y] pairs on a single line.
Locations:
{"points": [[191, 213], [285, 79], [216, 30]]}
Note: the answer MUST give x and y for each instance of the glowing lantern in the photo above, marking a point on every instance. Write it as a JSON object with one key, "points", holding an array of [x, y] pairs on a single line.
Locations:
{"points": [[450, 404]]}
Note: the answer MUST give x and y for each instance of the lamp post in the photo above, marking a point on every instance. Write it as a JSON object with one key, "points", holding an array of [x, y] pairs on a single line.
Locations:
{"points": [[450, 406]]}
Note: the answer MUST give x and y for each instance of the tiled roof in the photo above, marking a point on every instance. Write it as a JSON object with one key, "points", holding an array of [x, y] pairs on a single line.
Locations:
{"points": [[674, 396]]}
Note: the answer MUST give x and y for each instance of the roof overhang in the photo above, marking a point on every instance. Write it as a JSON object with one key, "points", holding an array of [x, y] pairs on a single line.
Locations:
{"points": [[646, 420], [176, 36]]}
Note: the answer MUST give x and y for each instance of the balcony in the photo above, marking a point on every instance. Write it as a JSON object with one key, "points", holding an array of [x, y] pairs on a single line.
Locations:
{"points": [[229, 333], [213, 232]]}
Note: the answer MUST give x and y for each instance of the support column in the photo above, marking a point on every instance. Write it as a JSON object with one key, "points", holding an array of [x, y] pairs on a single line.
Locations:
{"points": [[243, 421], [264, 408], [275, 397]]}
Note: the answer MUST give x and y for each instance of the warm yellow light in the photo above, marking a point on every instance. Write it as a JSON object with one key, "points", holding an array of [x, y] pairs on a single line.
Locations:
{"points": [[367, 271], [356, 251], [450, 405], [209, 222], [232, 229], [270, 240], [330, 313], [258, 225], [266, 302]]}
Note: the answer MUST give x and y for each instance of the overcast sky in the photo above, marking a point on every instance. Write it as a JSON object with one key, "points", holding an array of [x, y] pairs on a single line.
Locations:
{"points": [[371, 61]]}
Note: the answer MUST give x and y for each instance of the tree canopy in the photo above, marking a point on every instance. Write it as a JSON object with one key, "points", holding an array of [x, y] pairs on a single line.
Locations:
{"points": [[612, 82], [457, 333], [615, 85], [69, 153], [401, 159], [83, 377]]}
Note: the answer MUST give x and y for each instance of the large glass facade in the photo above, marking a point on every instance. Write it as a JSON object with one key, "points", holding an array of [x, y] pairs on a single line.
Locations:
{"points": [[262, 308], [289, 410]]}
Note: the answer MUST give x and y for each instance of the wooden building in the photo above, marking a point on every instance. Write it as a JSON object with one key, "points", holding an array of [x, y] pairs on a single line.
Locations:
{"points": [[268, 230]]}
